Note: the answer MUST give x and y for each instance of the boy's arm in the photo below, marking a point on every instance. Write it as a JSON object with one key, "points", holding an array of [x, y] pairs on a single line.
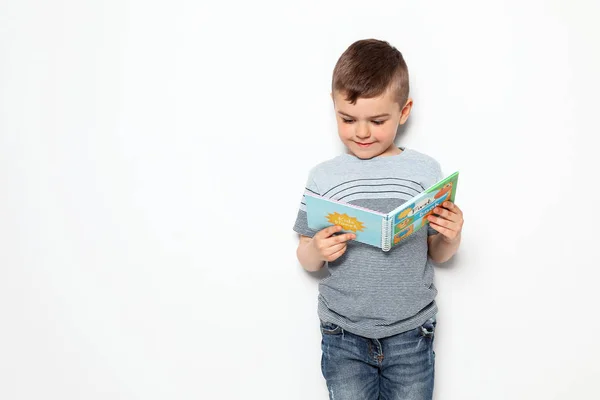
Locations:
{"points": [[308, 257], [325, 245], [440, 249], [448, 222]]}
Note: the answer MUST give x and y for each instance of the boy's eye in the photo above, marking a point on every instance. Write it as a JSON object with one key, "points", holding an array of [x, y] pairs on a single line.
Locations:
{"points": [[349, 121]]}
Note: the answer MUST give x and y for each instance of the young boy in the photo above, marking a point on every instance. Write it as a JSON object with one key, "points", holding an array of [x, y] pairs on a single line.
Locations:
{"points": [[377, 309]]}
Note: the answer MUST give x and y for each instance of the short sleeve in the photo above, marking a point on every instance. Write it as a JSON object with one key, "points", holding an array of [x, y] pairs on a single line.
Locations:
{"points": [[301, 225], [437, 174]]}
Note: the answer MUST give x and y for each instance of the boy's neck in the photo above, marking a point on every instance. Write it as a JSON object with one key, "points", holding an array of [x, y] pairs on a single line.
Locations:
{"points": [[393, 150]]}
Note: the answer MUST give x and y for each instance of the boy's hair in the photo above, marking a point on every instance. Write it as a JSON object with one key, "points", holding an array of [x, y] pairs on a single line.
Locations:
{"points": [[367, 68]]}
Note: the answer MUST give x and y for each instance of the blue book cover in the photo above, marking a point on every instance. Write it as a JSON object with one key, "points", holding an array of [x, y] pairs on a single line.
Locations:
{"points": [[366, 224], [378, 229]]}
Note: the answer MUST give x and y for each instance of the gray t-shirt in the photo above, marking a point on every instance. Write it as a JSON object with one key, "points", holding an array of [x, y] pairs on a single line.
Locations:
{"points": [[370, 292]]}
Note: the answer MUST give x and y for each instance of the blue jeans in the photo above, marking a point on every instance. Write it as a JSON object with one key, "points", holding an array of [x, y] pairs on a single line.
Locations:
{"points": [[399, 367]]}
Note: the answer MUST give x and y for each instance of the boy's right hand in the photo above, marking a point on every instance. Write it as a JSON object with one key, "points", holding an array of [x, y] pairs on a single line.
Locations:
{"points": [[329, 246]]}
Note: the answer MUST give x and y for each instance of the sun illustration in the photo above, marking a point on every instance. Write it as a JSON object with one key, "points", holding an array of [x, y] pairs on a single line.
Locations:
{"points": [[346, 222]]}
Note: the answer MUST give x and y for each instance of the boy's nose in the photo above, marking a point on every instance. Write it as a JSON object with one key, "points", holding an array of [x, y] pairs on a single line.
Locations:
{"points": [[362, 131]]}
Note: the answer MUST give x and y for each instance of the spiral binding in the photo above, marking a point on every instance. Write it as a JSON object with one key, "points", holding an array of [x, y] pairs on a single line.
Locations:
{"points": [[386, 233]]}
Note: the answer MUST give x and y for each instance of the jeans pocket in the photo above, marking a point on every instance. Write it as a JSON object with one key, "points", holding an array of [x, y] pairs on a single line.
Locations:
{"points": [[427, 329], [329, 328]]}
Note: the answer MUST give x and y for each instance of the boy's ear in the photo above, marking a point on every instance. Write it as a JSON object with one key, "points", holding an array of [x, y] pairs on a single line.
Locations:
{"points": [[405, 112]]}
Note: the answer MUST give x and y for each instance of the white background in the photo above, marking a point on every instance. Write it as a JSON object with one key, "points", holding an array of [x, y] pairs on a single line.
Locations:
{"points": [[153, 155]]}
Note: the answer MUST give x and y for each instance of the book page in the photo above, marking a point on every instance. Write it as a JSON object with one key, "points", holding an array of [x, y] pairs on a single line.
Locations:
{"points": [[412, 216]]}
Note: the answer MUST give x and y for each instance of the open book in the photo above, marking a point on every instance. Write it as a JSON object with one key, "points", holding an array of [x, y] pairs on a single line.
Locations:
{"points": [[378, 229]]}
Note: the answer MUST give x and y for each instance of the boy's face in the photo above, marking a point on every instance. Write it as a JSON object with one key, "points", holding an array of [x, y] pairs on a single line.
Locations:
{"points": [[368, 128]]}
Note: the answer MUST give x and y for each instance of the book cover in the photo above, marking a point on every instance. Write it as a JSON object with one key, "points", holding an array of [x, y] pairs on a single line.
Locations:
{"points": [[412, 215], [366, 224]]}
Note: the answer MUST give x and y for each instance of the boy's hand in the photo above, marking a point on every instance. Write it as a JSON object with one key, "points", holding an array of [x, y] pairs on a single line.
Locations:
{"points": [[450, 221], [329, 246]]}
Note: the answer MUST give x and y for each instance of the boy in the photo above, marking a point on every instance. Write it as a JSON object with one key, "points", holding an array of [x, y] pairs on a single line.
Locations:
{"points": [[377, 309]]}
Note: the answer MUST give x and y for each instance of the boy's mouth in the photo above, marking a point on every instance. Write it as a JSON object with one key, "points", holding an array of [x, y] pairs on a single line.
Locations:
{"points": [[364, 145]]}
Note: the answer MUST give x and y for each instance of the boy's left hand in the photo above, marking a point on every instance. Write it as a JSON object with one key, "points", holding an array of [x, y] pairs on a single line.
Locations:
{"points": [[449, 221]]}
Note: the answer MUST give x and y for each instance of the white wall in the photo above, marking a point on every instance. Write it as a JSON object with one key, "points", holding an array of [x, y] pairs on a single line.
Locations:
{"points": [[153, 154]]}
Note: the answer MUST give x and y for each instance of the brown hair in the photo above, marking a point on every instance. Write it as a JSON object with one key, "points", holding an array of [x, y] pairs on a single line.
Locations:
{"points": [[368, 68]]}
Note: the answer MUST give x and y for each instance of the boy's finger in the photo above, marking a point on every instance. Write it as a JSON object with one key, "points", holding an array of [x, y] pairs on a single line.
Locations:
{"points": [[343, 238], [452, 207], [337, 254], [441, 229], [446, 222], [444, 213], [336, 247], [447, 233], [327, 232], [346, 237]]}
